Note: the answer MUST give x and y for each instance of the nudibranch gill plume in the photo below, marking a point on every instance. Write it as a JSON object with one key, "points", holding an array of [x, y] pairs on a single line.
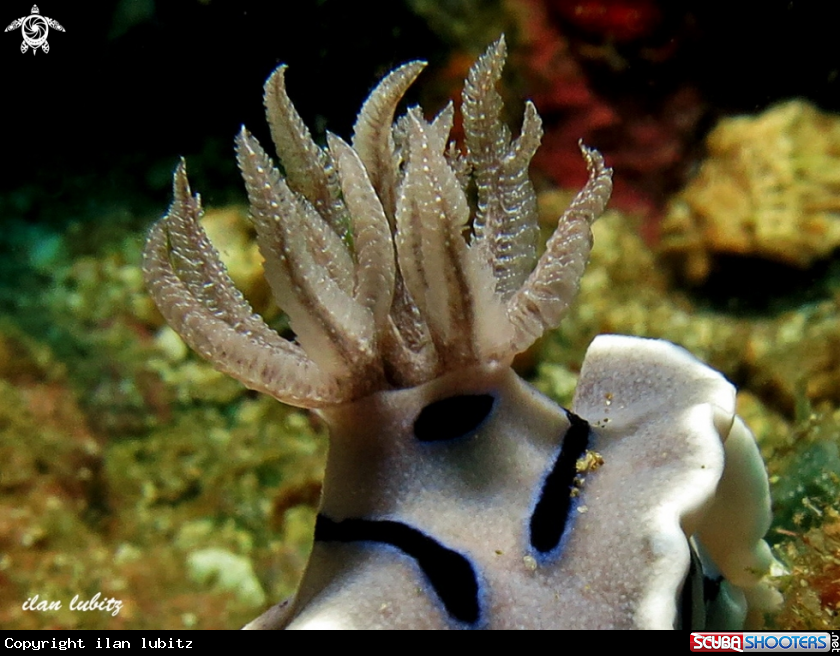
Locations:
{"points": [[455, 495]]}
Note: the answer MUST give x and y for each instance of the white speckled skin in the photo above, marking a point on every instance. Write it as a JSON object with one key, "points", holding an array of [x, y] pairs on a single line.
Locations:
{"points": [[660, 419], [681, 456], [473, 495]]}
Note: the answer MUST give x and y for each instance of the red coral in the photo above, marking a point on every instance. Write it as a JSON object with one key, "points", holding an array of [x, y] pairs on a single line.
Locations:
{"points": [[644, 132], [617, 20]]}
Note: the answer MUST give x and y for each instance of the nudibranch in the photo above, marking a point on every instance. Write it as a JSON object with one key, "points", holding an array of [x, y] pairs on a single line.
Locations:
{"points": [[455, 495]]}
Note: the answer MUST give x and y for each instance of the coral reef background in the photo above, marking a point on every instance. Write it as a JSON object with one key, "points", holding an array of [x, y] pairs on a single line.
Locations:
{"points": [[132, 469]]}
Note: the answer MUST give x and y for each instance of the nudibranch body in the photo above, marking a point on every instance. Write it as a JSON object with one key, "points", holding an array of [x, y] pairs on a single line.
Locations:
{"points": [[455, 495]]}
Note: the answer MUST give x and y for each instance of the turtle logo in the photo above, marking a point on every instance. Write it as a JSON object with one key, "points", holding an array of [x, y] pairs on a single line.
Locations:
{"points": [[34, 29]]}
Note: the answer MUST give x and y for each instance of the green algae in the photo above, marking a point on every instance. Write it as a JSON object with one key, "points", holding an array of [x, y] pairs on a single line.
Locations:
{"points": [[808, 480]]}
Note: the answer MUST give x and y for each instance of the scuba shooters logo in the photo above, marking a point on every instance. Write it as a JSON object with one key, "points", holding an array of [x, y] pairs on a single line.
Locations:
{"points": [[717, 642], [755, 641], [34, 29]]}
